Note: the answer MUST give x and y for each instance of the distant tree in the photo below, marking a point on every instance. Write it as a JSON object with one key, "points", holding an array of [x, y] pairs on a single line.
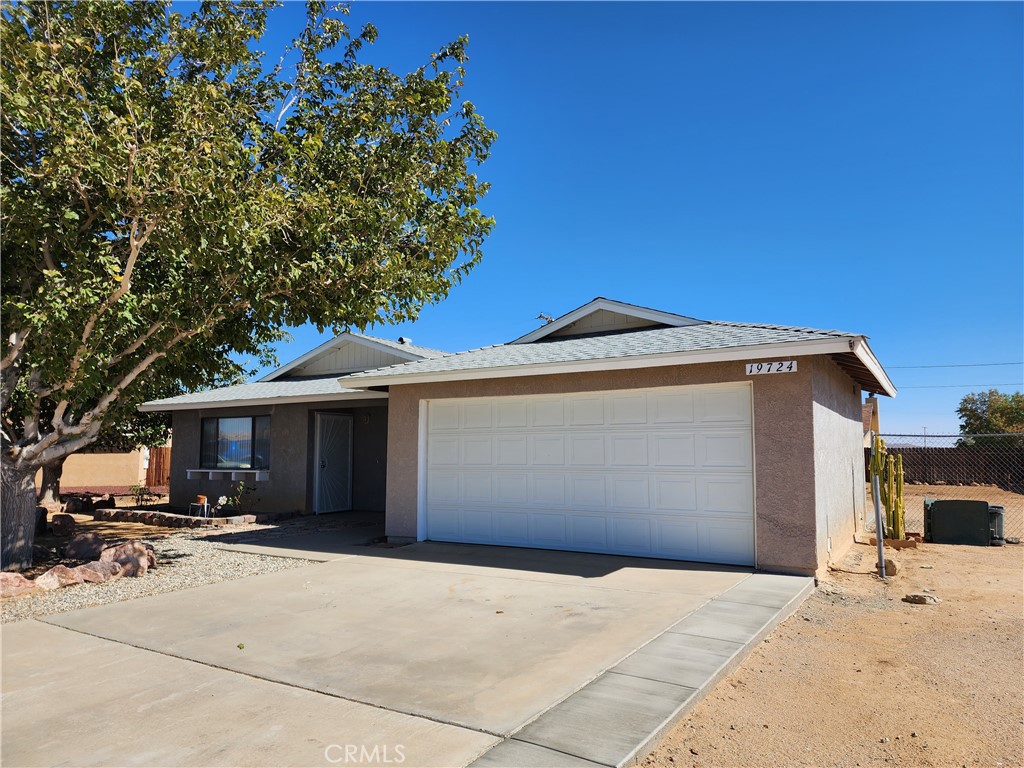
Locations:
{"points": [[991, 412], [170, 198]]}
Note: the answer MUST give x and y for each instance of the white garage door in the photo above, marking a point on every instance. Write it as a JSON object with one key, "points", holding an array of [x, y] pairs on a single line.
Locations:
{"points": [[658, 473]]}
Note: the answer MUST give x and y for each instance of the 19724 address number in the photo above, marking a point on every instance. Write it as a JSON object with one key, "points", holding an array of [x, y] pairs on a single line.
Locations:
{"points": [[785, 366]]}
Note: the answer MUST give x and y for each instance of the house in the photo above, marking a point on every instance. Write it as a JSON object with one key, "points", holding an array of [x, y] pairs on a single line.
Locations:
{"points": [[614, 428]]}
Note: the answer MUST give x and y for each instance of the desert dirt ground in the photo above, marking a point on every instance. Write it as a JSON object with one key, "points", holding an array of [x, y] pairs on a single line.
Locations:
{"points": [[856, 677]]}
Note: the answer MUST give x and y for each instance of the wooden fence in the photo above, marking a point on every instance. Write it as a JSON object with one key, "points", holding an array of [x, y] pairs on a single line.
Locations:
{"points": [[158, 474]]}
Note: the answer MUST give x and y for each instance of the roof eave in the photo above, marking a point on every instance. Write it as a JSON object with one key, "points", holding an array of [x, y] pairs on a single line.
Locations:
{"points": [[345, 337], [748, 352], [157, 406]]}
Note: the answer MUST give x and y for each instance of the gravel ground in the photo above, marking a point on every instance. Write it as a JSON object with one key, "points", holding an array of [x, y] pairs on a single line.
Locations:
{"points": [[184, 560]]}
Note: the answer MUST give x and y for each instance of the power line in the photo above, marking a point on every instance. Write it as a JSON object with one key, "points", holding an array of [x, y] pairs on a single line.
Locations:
{"points": [[956, 365], [956, 386]]}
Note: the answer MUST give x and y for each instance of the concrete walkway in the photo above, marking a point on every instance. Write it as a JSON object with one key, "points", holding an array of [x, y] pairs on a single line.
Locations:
{"points": [[448, 653]]}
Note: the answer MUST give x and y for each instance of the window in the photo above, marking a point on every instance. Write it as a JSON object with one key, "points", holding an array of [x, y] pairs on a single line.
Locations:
{"points": [[236, 443]]}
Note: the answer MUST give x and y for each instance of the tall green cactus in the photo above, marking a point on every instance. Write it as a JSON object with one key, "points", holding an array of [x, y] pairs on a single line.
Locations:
{"points": [[889, 469]]}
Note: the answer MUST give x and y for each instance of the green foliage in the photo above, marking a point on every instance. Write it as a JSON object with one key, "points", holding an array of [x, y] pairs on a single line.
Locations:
{"points": [[170, 198], [992, 412], [142, 494], [242, 500]]}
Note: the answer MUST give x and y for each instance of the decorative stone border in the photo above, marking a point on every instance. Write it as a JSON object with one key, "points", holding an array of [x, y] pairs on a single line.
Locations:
{"points": [[175, 520]]}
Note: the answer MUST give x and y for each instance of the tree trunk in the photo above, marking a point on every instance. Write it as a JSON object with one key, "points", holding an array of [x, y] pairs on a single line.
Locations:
{"points": [[18, 521], [49, 494]]}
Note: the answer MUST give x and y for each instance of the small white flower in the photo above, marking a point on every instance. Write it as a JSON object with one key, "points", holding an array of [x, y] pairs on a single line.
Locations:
{"points": [[222, 501]]}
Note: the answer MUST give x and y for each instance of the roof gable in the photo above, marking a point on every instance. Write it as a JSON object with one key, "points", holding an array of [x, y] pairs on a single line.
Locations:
{"points": [[351, 352], [605, 316]]}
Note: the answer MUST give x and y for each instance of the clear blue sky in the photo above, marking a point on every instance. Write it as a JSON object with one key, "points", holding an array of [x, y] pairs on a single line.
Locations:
{"points": [[855, 166]]}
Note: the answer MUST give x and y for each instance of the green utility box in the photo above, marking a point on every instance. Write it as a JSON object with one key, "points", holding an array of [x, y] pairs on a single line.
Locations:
{"points": [[958, 521]]}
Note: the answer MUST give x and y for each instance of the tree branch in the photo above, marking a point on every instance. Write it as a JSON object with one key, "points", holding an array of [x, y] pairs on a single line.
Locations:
{"points": [[136, 242]]}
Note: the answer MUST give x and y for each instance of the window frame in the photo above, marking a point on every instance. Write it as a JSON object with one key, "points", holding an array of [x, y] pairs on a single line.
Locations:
{"points": [[259, 434]]}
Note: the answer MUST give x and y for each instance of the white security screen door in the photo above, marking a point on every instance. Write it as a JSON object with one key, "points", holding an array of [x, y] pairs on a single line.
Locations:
{"points": [[333, 456], [663, 473]]}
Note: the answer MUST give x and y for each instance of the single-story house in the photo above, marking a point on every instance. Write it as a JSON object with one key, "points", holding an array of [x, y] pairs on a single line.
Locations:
{"points": [[614, 428]]}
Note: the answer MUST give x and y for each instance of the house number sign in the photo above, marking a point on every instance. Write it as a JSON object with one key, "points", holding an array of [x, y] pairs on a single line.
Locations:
{"points": [[785, 366]]}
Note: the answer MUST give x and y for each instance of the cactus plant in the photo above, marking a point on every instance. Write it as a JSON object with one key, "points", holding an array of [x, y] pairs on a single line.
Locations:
{"points": [[889, 469]]}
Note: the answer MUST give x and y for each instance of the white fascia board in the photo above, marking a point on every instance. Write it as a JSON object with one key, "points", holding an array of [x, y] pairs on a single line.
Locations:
{"points": [[618, 307], [346, 337], [748, 353], [156, 406], [867, 357]]}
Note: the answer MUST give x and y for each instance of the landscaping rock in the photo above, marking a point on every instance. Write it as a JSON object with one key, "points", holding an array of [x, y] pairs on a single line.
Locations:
{"points": [[99, 572], [134, 557], [920, 598], [891, 567], [57, 577], [16, 585], [85, 546], [107, 503], [63, 525]]}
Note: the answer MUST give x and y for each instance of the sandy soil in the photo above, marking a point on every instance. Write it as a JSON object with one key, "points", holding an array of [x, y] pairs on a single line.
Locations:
{"points": [[856, 677]]}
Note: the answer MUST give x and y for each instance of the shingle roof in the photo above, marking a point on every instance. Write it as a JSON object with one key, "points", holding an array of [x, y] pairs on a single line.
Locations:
{"points": [[296, 388], [709, 335], [407, 347]]}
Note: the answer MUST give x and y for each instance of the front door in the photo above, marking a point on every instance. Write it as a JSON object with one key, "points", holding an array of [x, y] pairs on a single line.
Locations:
{"points": [[333, 484]]}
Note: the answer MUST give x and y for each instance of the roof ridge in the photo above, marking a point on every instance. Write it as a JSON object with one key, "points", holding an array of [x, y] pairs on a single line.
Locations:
{"points": [[777, 327]]}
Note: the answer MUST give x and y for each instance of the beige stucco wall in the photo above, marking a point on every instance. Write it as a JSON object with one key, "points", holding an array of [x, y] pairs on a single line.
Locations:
{"points": [[785, 488], [292, 433], [97, 470], [838, 460]]}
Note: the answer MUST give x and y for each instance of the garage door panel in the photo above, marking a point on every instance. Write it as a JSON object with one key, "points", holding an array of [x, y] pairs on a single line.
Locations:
{"points": [[631, 492], [512, 527], [678, 538], [548, 451], [589, 532], [662, 473], [444, 524], [671, 408], [587, 450], [674, 449], [445, 451], [512, 414], [548, 490], [627, 409], [511, 451], [728, 406], [722, 542], [444, 487], [547, 412], [477, 488], [628, 450], [477, 415], [549, 530], [632, 534], [676, 493], [477, 451], [512, 489], [477, 524], [586, 411], [725, 494], [725, 450], [588, 491]]}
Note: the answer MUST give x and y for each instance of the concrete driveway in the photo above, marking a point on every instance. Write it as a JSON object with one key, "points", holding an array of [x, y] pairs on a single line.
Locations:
{"points": [[431, 654]]}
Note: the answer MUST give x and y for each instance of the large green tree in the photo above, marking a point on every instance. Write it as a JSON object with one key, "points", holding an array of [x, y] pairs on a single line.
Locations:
{"points": [[170, 196], [991, 412]]}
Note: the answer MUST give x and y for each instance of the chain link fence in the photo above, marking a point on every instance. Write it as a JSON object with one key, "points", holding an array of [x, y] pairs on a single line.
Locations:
{"points": [[986, 468]]}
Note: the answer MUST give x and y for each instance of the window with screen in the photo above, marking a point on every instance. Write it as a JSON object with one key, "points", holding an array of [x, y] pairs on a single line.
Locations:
{"points": [[238, 442]]}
